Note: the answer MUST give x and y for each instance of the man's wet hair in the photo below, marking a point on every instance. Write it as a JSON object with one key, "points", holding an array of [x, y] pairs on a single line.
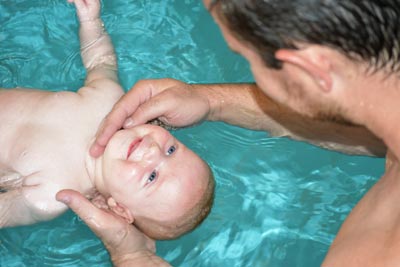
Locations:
{"points": [[362, 30]]}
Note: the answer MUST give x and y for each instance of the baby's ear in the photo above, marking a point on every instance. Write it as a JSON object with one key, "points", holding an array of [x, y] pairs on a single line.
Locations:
{"points": [[120, 210]]}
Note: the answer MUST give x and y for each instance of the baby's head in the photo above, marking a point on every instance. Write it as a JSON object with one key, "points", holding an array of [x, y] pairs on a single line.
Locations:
{"points": [[156, 182]]}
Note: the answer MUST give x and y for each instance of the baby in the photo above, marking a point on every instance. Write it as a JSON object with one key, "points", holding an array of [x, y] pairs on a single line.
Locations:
{"points": [[145, 175]]}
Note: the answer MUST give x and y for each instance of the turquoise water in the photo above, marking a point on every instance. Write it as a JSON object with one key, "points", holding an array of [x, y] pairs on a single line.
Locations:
{"points": [[278, 202]]}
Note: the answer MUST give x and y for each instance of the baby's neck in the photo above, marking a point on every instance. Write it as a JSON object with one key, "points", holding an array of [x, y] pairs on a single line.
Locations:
{"points": [[94, 171]]}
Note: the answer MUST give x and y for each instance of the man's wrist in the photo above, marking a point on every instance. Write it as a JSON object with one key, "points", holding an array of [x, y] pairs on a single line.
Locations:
{"points": [[214, 98]]}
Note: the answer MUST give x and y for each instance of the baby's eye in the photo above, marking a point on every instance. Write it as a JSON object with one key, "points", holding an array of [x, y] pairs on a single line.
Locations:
{"points": [[171, 150], [152, 177]]}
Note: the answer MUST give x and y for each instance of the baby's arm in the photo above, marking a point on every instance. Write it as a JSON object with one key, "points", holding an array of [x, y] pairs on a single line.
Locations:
{"points": [[10, 197], [27, 198], [9, 179], [97, 51], [23, 206], [13, 211]]}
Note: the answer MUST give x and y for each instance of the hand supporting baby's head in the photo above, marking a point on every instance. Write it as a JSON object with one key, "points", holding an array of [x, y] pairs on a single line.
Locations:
{"points": [[172, 209]]}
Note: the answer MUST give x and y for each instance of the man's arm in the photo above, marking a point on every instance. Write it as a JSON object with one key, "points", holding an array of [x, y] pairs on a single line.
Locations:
{"points": [[179, 104], [245, 105]]}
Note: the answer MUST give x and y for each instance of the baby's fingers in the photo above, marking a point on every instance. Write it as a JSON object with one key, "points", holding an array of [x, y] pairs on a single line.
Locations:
{"points": [[79, 4]]}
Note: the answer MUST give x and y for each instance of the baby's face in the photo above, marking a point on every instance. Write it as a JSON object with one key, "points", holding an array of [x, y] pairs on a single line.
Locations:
{"points": [[152, 174]]}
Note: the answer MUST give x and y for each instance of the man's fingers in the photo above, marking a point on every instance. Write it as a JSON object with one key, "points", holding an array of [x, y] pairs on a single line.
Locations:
{"points": [[91, 215], [111, 123], [118, 115], [137, 106], [103, 135], [96, 150], [153, 101], [156, 107], [142, 92]]}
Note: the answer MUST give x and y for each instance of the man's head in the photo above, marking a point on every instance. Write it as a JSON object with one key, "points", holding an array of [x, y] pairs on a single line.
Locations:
{"points": [[365, 30], [296, 46], [156, 182]]}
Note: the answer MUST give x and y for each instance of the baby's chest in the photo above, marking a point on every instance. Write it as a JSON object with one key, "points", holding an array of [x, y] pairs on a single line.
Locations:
{"points": [[43, 178], [47, 149], [40, 192]]}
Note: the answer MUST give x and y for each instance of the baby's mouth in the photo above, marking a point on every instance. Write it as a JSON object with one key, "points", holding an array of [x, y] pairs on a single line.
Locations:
{"points": [[135, 144]]}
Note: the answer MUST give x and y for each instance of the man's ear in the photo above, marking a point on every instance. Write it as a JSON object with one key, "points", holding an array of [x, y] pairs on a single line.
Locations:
{"points": [[120, 210], [310, 61]]}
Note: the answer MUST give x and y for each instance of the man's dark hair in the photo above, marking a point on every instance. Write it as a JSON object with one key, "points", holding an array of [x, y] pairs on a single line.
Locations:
{"points": [[365, 30]]}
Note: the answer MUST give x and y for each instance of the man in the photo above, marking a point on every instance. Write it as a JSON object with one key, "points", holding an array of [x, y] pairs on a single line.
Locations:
{"points": [[332, 70]]}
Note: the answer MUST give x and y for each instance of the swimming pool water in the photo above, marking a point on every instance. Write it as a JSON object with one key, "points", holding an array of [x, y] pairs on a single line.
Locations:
{"points": [[278, 202]]}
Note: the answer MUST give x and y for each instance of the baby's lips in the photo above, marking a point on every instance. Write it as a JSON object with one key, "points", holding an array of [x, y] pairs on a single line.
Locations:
{"points": [[144, 144]]}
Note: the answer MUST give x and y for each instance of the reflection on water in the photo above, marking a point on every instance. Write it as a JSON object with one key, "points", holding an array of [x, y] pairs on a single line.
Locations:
{"points": [[278, 202]]}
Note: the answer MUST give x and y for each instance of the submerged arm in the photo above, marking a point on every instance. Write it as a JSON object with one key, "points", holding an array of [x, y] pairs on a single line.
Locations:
{"points": [[18, 202], [97, 50], [245, 105], [10, 183], [9, 179], [20, 207], [13, 212]]}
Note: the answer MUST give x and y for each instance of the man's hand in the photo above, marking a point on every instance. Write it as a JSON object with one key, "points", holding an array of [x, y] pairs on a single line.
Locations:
{"points": [[173, 102], [126, 244], [87, 10]]}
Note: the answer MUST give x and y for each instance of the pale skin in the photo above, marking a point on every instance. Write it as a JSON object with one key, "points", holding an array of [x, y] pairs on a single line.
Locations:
{"points": [[47, 143], [329, 83], [45, 139]]}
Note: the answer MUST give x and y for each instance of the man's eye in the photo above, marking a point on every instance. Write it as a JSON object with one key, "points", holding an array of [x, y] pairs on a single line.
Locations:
{"points": [[171, 150], [152, 177]]}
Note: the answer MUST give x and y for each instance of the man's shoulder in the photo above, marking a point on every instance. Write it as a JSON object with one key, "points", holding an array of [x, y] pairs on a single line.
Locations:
{"points": [[390, 160]]}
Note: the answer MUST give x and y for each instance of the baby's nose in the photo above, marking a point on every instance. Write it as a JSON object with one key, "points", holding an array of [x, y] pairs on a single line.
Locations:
{"points": [[152, 153]]}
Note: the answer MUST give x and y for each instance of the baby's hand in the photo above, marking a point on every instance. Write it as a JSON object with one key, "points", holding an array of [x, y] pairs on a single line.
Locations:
{"points": [[87, 10]]}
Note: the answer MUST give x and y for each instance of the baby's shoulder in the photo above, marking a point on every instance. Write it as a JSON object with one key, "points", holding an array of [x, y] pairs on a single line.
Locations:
{"points": [[104, 90]]}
